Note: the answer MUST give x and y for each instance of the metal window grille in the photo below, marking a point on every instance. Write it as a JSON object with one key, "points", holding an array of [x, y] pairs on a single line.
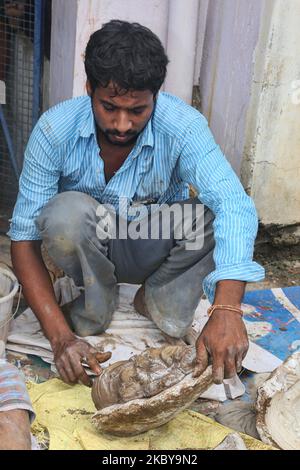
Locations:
{"points": [[21, 34]]}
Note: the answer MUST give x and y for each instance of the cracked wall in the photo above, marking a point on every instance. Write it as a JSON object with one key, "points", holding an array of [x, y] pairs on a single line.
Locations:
{"points": [[250, 94], [271, 165]]}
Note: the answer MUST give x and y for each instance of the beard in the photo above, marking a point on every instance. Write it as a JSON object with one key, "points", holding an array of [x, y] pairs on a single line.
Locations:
{"points": [[130, 137]]}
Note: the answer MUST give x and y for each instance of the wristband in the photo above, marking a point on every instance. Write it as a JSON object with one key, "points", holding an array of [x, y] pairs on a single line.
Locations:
{"points": [[231, 308]]}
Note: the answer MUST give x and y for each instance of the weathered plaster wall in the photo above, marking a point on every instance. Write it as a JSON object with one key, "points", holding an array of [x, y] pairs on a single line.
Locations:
{"points": [[92, 14], [271, 167], [247, 58], [231, 35], [176, 22], [63, 39], [249, 70], [75, 20], [181, 47]]}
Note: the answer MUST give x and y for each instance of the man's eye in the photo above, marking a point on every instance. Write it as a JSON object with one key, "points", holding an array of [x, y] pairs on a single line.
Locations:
{"points": [[137, 111], [108, 108]]}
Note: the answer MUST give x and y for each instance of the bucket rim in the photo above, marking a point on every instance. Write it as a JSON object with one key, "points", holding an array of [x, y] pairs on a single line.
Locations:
{"points": [[15, 287]]}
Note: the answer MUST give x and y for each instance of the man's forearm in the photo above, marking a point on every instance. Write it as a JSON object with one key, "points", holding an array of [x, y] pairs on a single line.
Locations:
{"points": [[38, 290], [229, 292]]}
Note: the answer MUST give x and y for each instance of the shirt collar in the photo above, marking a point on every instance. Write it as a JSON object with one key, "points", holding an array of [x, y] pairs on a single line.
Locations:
{"points": [[88, 125], [144, 139]]}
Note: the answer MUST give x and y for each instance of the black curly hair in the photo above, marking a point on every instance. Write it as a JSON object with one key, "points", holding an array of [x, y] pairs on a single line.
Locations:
{"points": [[129, 55]]}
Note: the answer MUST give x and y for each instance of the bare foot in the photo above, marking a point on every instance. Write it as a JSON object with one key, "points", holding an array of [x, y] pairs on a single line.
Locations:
{"points": [[140, 303], [140, 306]]}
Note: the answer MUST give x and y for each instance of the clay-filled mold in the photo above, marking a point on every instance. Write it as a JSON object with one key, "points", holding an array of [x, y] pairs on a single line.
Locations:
{"points": [[148, 390]]}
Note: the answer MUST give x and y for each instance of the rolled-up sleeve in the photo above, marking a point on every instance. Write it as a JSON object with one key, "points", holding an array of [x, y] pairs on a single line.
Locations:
{"points": [[38, 183], [202, 164]]}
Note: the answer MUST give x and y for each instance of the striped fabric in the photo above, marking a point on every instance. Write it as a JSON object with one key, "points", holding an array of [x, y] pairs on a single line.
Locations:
{"points": [[13, 391], [175, 149]]}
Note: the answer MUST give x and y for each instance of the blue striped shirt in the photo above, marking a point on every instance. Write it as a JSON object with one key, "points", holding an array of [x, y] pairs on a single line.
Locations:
{"points": [[175, 149]]}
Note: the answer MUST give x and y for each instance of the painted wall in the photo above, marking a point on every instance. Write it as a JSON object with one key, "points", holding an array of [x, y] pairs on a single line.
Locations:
{"points": [[181, 47], [250, 95], [271, 167], [92, 14], [63, 39], [244, 54], [231, 35], [176, 22]]}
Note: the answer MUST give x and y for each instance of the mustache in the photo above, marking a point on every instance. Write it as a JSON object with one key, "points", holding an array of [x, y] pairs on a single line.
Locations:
{"points": [[119, 134]]}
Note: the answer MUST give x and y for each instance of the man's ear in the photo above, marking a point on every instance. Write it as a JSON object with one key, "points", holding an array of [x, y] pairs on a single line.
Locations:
{"points": [[88, 88]]}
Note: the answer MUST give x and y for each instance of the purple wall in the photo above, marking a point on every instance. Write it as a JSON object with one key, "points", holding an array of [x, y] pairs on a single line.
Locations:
{"points": [[232, 30]]}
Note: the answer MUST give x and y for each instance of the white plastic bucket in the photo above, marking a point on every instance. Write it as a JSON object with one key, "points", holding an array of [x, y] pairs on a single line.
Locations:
{"points": [[8, 288]]}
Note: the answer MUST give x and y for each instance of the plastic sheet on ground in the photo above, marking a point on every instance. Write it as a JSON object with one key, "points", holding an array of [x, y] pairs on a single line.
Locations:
{"points": [[65, 412]]}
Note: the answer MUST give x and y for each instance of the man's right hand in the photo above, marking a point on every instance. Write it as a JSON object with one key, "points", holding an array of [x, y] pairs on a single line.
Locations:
{"points": [[69, 355], [69, 351]]}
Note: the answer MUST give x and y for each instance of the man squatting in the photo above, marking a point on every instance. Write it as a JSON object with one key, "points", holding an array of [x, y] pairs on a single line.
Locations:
{"points": [[128, 139]]}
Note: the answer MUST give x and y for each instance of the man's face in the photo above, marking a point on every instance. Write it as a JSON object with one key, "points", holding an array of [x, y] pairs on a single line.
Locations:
{"points": [[121, 117]]}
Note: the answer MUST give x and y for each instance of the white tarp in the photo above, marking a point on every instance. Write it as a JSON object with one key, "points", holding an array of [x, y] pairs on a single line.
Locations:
{"points": [[130, 333]]}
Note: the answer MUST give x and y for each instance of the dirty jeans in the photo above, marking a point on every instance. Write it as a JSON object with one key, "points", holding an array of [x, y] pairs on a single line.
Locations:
{"points": [[172, 274]]}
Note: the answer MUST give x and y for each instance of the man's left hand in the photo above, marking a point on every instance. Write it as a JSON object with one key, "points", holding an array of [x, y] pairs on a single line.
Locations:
{"points": [[224, 340]]}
